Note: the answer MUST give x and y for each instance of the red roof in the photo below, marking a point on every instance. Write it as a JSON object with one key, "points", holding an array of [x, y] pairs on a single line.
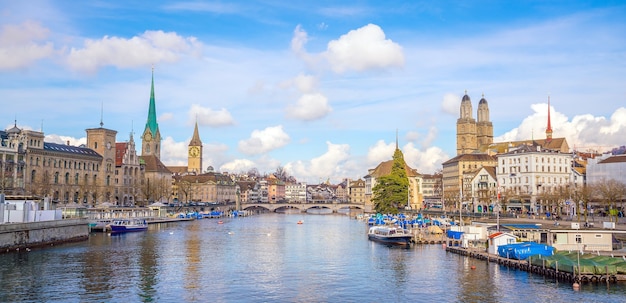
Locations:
{"points": [[120, 150]]}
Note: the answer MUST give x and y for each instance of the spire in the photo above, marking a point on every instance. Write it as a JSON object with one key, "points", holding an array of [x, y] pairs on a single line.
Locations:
{"points": [[152, 120], [396, 138], [549, 128], [195, 139]]}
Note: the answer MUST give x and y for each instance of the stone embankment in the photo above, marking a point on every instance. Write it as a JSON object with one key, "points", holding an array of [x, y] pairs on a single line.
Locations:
{"points": [[16, 236]]}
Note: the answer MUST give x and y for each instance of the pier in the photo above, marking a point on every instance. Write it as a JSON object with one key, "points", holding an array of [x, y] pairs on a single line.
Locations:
{"points": [[526, 265]]}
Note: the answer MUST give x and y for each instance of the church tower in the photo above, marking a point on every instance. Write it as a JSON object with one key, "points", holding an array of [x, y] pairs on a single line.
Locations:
{"points": [[549, 128], [484, 127], [151, 137], [466, 140], [194, 159]]}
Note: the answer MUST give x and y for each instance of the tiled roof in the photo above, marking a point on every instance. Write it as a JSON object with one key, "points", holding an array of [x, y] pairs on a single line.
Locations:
{"points": [[472, 158], [154, 164], [613, 159], [555, 143], [384, 169], [62, 148], [178, 169], [204, 178]]}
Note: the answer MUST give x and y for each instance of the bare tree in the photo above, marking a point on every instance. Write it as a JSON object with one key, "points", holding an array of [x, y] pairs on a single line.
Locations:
{"points": [[610, 192], [281, 173]]}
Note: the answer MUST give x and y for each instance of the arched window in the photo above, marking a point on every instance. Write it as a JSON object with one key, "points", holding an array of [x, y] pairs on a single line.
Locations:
{"points": [[67, 178], [56, 178], [76, 179], [32, 175]]}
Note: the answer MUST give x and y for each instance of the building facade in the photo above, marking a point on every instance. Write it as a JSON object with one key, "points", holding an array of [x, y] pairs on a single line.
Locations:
{"points": [[471, 135]]}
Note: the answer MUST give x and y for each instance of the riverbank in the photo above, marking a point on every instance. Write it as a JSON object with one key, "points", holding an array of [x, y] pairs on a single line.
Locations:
{"points": [[17, 236]]}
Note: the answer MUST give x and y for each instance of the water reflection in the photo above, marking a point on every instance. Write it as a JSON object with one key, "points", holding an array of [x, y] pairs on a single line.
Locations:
{"points": [[269, 258]]}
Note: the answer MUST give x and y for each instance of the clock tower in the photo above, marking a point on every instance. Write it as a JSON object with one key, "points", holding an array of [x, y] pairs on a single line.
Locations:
{"points": [[194, 158]]}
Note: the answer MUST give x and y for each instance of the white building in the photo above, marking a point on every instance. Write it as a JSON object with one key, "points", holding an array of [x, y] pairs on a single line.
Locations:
{"points": [[606, 167], [528, 174], [483, 190], [295, 192]]}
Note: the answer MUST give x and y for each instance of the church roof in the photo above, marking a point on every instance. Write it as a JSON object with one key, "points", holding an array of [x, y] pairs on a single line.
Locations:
{"points": [[195, 139], [384, 169], [559, 144], [154, 164], [152, 124], [178, 169]]}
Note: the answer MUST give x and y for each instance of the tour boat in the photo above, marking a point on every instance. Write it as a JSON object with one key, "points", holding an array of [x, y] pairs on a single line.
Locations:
{"points": [[128, 225], [392, 235]]}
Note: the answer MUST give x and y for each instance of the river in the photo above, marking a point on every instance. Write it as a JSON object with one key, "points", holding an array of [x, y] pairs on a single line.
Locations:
{"points": [[269, 258]]}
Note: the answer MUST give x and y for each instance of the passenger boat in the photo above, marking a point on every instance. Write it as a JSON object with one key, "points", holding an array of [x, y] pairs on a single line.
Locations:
{"points": [[128, 225], [392, 235], [99, 225]]}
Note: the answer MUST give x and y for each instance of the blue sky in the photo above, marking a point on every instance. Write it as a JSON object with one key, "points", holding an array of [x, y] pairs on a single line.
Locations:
{"points": [[318, 87]]}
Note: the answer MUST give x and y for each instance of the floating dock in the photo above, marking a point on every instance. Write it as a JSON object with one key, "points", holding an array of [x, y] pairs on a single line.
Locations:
{"points": [[527, 266]]}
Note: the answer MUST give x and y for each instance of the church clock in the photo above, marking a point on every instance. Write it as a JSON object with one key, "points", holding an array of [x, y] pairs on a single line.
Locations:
{"points": [[194, 151]]}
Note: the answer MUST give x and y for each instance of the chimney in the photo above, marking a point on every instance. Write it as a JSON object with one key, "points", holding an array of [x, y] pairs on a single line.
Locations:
{"points": [[68, 142]]}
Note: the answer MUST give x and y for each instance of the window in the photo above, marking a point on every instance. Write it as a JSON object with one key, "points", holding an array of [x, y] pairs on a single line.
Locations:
{"points": [[579, 239]]}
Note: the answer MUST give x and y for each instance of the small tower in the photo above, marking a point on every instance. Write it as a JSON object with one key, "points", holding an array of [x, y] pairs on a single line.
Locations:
{"points": [[549, 128], [151, 137], [194, 159]]}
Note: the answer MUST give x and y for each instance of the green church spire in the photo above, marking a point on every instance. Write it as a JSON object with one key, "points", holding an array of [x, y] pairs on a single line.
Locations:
{"points": [[152, 120]]}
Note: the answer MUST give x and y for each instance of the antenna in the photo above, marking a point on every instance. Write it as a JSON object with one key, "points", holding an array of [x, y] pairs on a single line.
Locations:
{"points": [[101, 113]]}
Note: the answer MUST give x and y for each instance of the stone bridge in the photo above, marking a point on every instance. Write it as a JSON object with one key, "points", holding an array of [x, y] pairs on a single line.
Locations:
{"points": [[303, 207]]}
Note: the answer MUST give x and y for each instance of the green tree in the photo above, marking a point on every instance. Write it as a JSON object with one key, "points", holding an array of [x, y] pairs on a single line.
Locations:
{"points": [[391, 191]]}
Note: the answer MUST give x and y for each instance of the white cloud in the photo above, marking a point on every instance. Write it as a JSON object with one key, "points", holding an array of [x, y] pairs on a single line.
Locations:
{"points": [[583, 132], [149, 48], [173, 153], [309, 107], [451, 104], [53, 138], [262, 141], [330, 165], [380, 152], [300, 38], [425, 161], [210, 117], [165, 117], [18, 48], [364, 49], [237, 166]]}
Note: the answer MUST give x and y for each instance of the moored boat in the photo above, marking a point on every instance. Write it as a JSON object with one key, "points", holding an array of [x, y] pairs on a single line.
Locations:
{"points": [[128, 225], [392, 235]]}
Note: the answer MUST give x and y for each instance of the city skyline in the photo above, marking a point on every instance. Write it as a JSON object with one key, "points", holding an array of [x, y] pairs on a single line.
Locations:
{"points": [[275, 84]]}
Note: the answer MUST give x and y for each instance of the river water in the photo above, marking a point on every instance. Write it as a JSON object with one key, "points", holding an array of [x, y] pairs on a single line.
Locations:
{"points": [[269, 258]]}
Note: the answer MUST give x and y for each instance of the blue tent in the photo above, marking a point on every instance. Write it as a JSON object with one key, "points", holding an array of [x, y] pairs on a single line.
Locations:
{"points": [[521, 251]]}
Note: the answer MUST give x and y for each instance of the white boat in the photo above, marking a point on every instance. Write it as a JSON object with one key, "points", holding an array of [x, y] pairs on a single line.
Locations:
{"points": [[100, 225], [392, 235], [128, 225]]}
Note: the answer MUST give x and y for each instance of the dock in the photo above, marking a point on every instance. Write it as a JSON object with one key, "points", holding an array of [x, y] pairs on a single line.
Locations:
{"points": [[526, 265]]}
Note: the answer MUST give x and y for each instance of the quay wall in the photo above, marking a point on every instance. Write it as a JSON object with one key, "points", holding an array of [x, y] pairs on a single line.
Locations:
{"points": [[15, 236]]}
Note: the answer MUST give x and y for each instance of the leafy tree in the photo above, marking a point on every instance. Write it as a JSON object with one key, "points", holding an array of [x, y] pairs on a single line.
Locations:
{"points": [[391, 191]]}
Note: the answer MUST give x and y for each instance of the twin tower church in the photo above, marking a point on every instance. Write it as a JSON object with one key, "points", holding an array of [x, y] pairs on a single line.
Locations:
{"points": [[473, 135]]}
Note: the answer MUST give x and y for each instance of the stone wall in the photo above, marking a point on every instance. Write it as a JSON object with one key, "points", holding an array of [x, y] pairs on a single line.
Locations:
{"points": [[37, 234]]}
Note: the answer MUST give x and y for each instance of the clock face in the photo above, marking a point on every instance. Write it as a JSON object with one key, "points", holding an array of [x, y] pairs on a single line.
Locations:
{"points": [[108, 145], [148, 136], [194, 151]]}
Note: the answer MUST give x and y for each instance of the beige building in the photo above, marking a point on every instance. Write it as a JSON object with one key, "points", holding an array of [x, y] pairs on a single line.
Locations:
{"points": [[415, 199], [357, 191], [454, 171], [129, 174]]}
